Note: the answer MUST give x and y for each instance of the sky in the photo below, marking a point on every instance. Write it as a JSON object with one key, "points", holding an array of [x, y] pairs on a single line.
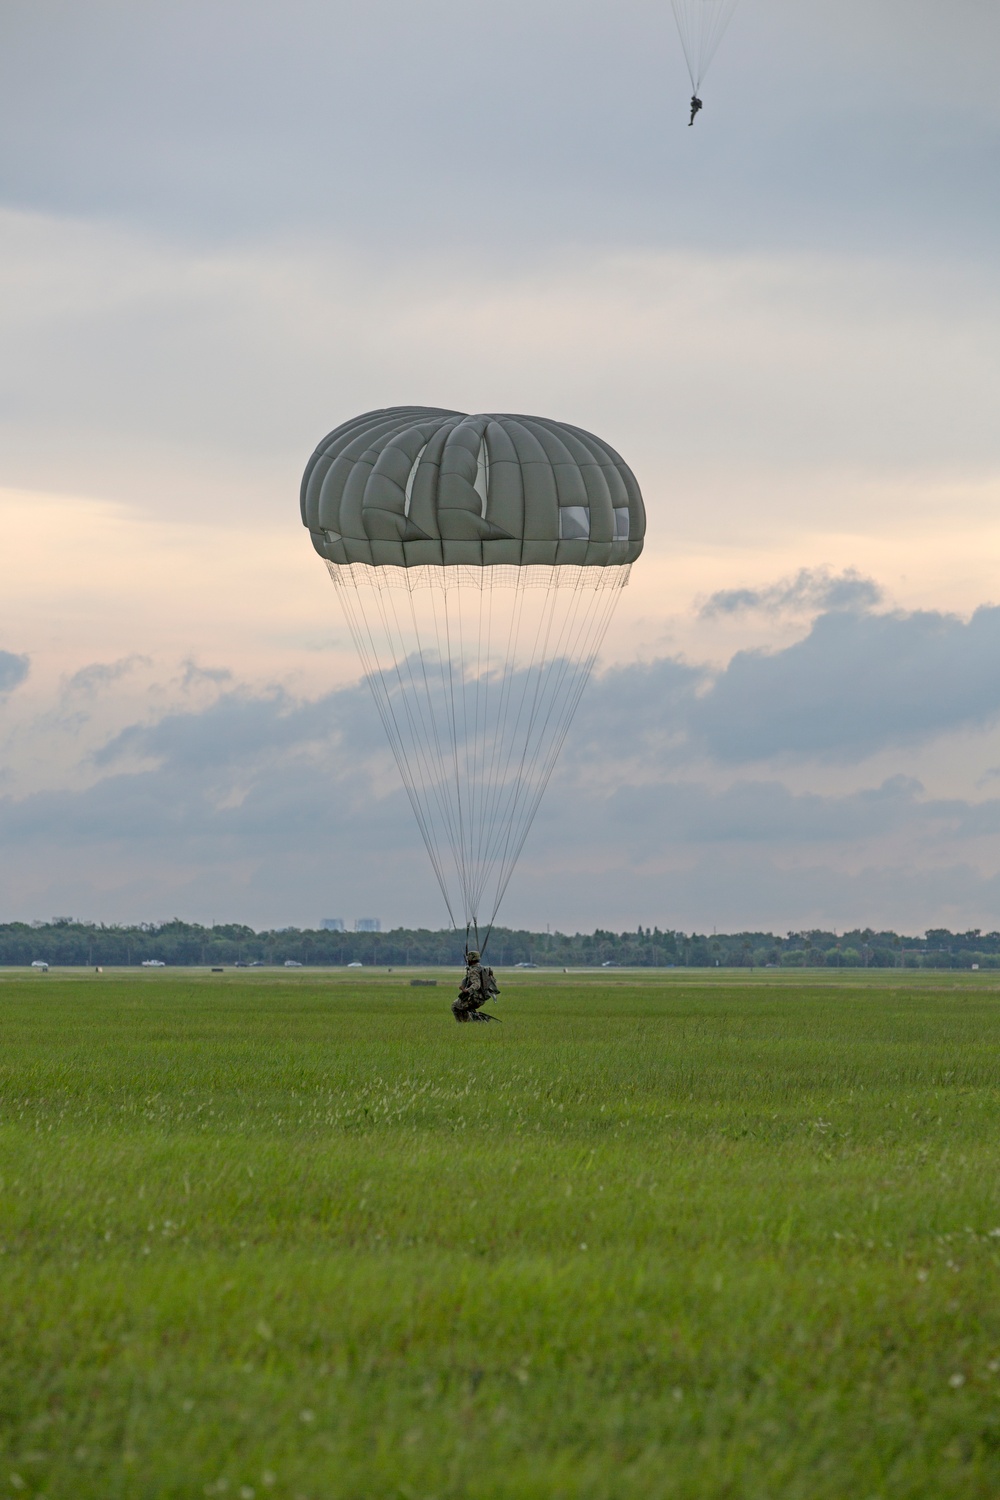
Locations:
{"points": [[227, 227]]}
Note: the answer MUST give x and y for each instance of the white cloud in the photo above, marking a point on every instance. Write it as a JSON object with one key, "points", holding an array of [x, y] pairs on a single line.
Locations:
{"points": [[194, 383], [13, 670], [827, 123], [810, 590], [271, 806], [857, 682]]}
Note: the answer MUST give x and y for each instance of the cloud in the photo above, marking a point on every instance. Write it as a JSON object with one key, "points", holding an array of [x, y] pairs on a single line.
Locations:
{"points": [[652, 825], [822, 122], [786, 319], [13, 670], [195, 675], [90, 681], [809, 591], [191, 383], [261, 810], [857, 683], [268, 807], [244, 728], [336, 806]]}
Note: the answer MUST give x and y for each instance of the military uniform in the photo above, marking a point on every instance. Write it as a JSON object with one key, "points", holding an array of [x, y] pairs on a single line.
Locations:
{"points": [[477, 987]]}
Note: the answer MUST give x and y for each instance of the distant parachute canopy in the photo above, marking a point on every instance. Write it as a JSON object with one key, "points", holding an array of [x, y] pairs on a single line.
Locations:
{"points": [[702, 25], [479, 560]]}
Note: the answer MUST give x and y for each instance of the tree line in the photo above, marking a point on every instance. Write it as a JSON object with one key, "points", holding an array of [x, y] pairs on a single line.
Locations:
{"points": [[69, 942]]}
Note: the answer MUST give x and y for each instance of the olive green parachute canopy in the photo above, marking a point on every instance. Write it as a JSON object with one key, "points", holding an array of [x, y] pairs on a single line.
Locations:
{"points": [[478, 561], [414, 485]]}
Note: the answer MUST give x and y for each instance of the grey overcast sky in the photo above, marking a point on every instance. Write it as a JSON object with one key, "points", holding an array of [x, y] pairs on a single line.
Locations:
{"points": [[226, 227]]}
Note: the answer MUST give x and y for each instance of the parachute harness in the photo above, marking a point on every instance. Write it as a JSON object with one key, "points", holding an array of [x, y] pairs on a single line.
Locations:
{"points": [[476, 673]]}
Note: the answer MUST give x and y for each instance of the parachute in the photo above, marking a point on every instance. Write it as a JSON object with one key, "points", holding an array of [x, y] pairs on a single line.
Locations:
{"points": [[702, 24], [478, 560]]}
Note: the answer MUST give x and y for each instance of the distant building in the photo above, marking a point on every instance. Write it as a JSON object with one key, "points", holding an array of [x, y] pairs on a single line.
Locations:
{"points": [[333, 924], [368, 924]]}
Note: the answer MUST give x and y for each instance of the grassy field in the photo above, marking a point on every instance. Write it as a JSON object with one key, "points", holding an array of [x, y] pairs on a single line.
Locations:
{"points": [[657, 1235]]}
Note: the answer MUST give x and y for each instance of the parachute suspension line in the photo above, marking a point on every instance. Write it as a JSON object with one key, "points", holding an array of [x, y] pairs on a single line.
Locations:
{"points": [[524, 790], [474, 737], [527, 791], [557, 671], [447, 662], [384, 702], [425, 735], [702, 25], [482, 738], [439, 779], [410, 703], [515, 785], [498, 765], [438, 782], [470, 747], [486, 637], [476, 695], [597, 632], [500, 806], [364, 643], [432, 755], [432, 750], [460, 668], [579, 677], [522, 804], [434, 763], [475, 743], [422, 731], [473, 881], [446, 630], [428, 754]]}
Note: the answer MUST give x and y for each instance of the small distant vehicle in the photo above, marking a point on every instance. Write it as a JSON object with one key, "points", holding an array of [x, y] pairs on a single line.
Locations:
{"points": [[525, 966], [40, 964], [241, 963], [292, 963], [355, 964], [257, 963], [153, 963]]}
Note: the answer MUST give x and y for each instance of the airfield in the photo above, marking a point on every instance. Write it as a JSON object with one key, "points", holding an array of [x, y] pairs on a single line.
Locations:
{"points": [[678, 1234]]}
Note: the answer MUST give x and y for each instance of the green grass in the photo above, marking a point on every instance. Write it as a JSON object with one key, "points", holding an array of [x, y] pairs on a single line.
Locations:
{"points": [[659, 1235]]}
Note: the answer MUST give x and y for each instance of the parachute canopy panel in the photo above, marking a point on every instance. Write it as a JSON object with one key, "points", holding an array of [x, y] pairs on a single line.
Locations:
{"points": [[412, 486]]}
